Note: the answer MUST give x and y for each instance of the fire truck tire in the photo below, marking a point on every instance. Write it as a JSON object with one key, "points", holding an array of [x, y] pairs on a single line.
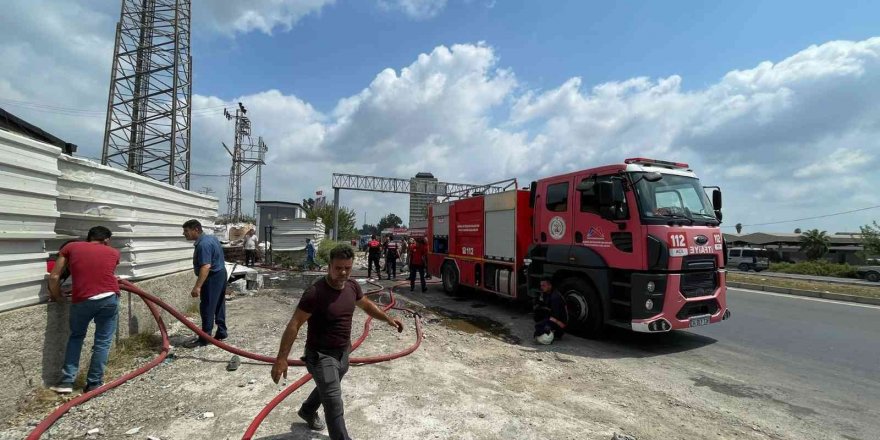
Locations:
{"points": [[450, 278], [584, 307]]}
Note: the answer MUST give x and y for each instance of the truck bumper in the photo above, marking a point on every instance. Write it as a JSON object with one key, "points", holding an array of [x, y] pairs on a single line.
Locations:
{"points": [[678, 310]]}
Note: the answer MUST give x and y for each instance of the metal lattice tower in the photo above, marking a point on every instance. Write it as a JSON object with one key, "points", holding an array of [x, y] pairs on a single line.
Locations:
{"points": [[258, 187], [150, 103], [245, 156]]}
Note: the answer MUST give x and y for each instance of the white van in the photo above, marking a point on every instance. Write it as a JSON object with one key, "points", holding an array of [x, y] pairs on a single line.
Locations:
{"points": [[746, 259]]}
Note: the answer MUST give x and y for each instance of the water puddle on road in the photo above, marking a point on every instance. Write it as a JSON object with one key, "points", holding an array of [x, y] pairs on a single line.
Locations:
{"points": [[295, 281], [744, 391], [475, 324]]}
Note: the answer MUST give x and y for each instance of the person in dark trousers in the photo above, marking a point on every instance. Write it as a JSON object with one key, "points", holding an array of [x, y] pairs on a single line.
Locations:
{"points": [[374, 252], [418, 253], [95, 297], [310, 255], [250, 248], [550, 314], [328, 306], [392, 253], [210, 287]]}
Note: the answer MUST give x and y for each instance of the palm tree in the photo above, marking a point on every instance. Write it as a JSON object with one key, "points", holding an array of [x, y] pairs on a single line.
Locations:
{"points": [[815, 244], [739, 227]]}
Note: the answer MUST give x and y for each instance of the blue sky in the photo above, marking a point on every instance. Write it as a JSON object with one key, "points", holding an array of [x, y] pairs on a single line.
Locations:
{"points": [[773, 101], [335, 53]]}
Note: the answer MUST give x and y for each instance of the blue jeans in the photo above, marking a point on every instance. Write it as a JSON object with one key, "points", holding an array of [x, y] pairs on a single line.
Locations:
{"points": [[104, 312]]}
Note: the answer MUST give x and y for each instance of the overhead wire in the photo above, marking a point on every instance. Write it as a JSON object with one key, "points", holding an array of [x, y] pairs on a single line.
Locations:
{"points": [[807, 218]]}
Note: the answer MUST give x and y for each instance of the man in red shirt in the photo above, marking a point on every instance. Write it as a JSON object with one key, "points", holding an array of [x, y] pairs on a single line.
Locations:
{"points": [[418, 252], [95, 297], [328, 306]]}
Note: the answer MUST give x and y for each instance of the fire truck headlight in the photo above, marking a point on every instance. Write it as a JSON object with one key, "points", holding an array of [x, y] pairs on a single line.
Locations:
{"points": [[649, 304], [650, 286]]}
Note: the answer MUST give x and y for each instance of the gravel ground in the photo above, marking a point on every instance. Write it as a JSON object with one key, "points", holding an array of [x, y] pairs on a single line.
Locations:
{"points": [[477, 375]]}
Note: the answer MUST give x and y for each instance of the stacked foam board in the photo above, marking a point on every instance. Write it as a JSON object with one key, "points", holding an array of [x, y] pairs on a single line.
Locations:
{"points": [[290, 235], [28, 175], [144, 215]]}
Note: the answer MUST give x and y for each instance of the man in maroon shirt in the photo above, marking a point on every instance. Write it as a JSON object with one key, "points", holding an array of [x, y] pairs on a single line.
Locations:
{"points": [[95, 297], [328, 306]]}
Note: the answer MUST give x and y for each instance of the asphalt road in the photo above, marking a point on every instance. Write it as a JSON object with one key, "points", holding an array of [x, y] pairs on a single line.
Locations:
{"points": [[780, 360], [821, 357]]}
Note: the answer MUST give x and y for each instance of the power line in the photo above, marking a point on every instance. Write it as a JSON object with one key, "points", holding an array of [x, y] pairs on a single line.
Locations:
{"points": [[807, 218]]}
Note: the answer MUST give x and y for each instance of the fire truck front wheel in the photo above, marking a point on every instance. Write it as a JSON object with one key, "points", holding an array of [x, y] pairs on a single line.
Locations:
{"points": [[450, 278], [583, 306]]}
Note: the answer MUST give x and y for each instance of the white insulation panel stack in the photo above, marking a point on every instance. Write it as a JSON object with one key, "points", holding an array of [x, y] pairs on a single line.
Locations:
{"points": [[144, 215], [290, 235], [28, 175]]}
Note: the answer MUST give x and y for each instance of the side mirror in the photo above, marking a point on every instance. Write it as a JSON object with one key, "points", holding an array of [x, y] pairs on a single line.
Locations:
{"points": [[533, 191], [716, 199], [610, 193]]}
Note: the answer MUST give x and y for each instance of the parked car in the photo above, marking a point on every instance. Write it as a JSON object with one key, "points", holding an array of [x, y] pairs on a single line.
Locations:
{"points": [[746, 259], [870, 273]]}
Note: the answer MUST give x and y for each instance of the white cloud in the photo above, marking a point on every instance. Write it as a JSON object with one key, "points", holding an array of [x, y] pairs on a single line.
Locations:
{"points": [[792, 138], [234, 16], [841, 161], [417, 9]]}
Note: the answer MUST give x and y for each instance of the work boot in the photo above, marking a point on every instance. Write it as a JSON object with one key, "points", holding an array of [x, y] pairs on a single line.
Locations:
{"points": [[314, 421]]}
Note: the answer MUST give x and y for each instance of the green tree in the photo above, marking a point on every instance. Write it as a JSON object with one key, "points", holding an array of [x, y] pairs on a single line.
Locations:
{"points": [[308, 204], [346, 220], [815, 243], [369, 229], [389, 221], [739, 227], [871, 239]]}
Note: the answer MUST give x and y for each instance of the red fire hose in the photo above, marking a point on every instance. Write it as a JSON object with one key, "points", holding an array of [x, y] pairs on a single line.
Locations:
{"points": [[152, 301], [252, 429]]}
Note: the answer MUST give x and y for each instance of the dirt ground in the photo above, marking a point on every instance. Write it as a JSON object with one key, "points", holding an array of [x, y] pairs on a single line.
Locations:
{"points": [[477, 375]]}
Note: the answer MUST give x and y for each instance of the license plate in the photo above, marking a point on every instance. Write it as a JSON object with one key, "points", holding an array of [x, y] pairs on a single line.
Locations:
{"points": [[698, 321]]}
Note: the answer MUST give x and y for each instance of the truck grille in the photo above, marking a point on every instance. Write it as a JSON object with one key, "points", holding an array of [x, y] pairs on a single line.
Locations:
{"points": [[696, 308], [697, 284], [698, 262]]}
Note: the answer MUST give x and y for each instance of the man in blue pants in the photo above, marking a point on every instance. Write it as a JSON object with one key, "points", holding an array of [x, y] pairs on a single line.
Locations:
{"points": [[210, 287], [95, 297]]}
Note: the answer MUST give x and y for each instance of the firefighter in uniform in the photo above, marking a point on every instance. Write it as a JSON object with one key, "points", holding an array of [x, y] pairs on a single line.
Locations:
{"points": [[550, 314], [374, 252]]}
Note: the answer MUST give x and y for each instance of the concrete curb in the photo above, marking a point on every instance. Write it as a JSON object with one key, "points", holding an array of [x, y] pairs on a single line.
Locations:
{"points": [[809, 293]]}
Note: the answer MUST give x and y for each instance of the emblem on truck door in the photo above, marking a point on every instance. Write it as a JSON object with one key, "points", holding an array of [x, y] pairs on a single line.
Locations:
{"points": [[701, 239], [557, 227]]}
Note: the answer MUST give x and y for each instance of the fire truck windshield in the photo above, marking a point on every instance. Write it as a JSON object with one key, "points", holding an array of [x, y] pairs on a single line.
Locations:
{"points": [[672, 197]]}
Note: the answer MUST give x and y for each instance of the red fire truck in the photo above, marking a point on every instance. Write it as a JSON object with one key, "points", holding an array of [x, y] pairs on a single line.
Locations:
{"points": [[634, 245]]}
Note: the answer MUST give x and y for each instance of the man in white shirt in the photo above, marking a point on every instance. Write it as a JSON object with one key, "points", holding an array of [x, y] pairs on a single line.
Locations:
{"points": [[250, 248]]}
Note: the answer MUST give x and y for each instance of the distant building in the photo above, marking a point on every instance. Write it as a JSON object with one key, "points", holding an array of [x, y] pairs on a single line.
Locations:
{"points": [[418, 203], [269, 213], [844, 245]]}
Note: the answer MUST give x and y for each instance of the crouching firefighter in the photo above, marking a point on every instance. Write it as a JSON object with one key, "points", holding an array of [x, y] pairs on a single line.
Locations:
{"points": [[550, 314]]}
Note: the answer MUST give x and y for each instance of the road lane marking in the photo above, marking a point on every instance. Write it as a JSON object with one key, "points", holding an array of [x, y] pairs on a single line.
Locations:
{"points": [[807, 298]]}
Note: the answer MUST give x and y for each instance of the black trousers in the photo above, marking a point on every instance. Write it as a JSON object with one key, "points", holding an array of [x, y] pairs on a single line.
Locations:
{"points": [[327, 369], [370, 262], [412, 277], [250, 257], [391, 267]]}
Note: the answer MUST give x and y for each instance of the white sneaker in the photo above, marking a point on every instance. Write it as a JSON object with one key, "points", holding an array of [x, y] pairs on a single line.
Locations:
{"points": [[62, 389]]}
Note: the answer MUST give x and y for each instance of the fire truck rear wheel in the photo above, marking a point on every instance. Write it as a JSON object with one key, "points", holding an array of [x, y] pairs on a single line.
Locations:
{"points": [[450, 278], [584, 307]]}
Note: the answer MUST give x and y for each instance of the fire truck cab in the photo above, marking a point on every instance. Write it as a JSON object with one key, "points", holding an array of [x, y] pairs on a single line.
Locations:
{"points": [[634, 245]]}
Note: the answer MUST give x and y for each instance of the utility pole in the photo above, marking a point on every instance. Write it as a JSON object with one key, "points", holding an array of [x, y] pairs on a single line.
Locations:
{"points": [[245, 156], [149, 107], [258, 190]]}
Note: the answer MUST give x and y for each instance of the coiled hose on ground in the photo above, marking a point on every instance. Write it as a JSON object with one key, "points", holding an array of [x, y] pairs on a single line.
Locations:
{"points": [[152, 302]]}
